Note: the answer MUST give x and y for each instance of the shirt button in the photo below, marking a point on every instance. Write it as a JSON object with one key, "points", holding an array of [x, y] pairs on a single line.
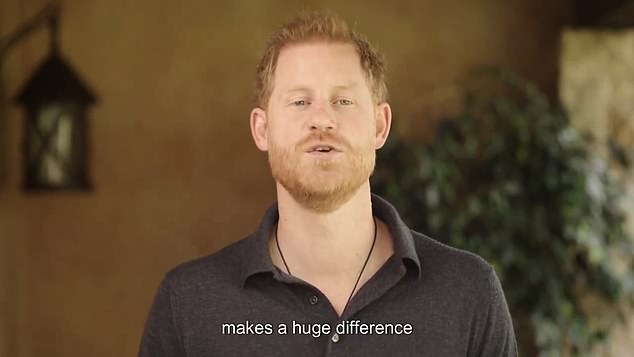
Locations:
{"points": [[313, 300], [334, 338]]}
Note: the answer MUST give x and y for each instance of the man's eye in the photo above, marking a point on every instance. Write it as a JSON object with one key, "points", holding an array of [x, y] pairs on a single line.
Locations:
{"points": [[299, 103], [343, 102]]}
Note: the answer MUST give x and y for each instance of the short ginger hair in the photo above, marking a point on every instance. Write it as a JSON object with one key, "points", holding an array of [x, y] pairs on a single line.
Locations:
{"points": [[319, 26]]}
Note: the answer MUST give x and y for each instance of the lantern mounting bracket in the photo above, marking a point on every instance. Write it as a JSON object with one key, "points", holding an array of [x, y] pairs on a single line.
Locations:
{"points": [[49, 15]]}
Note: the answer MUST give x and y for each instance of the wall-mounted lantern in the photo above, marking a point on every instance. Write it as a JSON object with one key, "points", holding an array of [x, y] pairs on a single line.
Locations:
{"points": [[55, 100], [55, 142]]}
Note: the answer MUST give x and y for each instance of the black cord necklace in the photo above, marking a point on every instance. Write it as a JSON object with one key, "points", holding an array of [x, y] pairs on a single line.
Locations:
{"points": [[354, 288]]}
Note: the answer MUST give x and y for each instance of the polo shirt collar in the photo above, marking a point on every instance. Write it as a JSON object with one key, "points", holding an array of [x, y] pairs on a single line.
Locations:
{"points": [[258, 260]]}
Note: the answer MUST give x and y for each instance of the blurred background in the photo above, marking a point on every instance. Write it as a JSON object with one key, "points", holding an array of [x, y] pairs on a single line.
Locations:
{"points": [[170, 165]]}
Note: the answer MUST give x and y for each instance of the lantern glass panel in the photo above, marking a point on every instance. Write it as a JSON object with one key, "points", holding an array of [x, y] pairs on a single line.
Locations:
{"points": [[51, 144]]}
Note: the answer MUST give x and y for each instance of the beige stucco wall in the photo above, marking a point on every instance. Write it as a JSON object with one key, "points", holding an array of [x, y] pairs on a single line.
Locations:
{"points": [[597, 90], [175, 173]]}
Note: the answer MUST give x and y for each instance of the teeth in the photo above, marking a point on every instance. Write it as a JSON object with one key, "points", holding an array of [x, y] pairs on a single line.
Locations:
{"points": [[323, 148]]}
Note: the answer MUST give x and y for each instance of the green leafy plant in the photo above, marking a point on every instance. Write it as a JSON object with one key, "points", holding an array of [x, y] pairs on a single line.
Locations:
{"points": [[512, 181]]}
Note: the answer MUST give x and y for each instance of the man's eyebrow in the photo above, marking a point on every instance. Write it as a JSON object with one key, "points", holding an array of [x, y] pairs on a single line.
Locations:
{"points": [[298, 89], [346, 86]]}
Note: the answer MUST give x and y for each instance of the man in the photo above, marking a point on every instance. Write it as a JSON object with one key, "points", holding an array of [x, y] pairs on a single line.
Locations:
{"points": [[331, 270]]}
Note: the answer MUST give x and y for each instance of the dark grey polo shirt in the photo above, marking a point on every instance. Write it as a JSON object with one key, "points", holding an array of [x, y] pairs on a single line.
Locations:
{"points": [[427, 300]]}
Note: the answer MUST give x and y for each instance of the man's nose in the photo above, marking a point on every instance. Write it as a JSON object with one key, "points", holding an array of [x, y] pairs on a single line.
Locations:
{"points": [[322, 116]]}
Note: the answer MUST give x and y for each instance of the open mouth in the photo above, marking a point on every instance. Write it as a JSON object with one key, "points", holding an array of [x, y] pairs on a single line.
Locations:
{"points": [[323, 149]]}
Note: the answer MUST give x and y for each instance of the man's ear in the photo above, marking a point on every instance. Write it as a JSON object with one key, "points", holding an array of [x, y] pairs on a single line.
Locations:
{"points": [[383, 117], [259, 124]]}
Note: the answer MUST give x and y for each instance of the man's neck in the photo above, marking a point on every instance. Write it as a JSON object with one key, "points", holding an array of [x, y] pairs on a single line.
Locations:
{"points": [[325, 243], [328, 250]]}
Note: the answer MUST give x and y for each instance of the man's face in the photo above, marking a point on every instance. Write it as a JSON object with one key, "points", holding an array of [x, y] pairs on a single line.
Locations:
{"points": [[321, 124]]}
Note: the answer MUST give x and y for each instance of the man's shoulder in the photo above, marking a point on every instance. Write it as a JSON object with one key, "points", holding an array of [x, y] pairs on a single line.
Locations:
{"points": [[446, 262], [465, 289], [223, 266]]}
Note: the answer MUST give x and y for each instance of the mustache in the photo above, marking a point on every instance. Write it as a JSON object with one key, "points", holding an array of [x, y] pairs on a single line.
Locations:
{"points": [[327, 137]]}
